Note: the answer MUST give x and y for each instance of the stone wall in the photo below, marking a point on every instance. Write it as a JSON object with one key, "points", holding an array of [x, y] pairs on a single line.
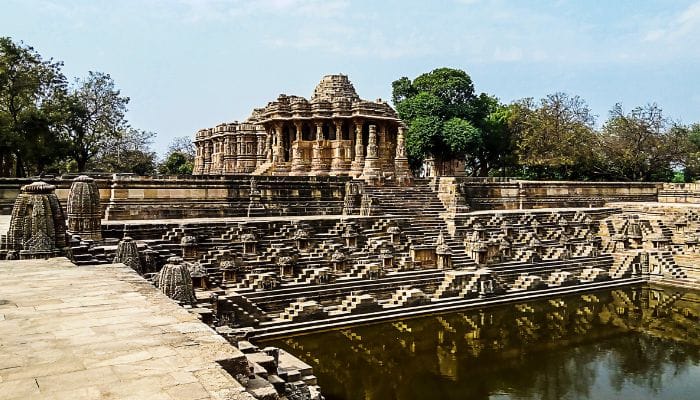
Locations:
{"points": [[680, 193], [125, 197], [505, 194]]}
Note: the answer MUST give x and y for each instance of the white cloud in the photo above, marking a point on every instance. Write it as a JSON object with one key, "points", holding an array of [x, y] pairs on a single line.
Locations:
{"points": [[685, 24]]}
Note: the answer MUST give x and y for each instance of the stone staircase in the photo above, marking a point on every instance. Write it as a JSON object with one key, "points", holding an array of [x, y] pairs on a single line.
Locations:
{"points": [[528, 282], [405, 296], [623, 264], [664, 262], [302, 310], [422, 206], [355, 304]]}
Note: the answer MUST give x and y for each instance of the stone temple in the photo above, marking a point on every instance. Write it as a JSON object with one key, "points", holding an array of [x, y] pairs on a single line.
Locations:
{"points": [[303, 218], [333, 133]]}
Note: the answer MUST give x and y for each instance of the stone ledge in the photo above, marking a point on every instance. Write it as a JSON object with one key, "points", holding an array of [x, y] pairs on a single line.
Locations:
{"points": [[104, 332]]}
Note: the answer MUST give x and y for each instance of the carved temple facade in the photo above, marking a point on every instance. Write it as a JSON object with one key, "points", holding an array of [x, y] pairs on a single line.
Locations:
{"points": [[335, 133]]}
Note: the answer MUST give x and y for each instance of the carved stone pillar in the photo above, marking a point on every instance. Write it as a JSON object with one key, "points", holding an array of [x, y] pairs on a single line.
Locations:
{"points": [[386, 153], [298, 163], [338, 164], [372, 170], [281, 167], [198, 160], [359, 162], [401, 169], [318, 166], [260, 153], [229, 155], [207, 157], [268, 145], [279, 144], [239, 165]]}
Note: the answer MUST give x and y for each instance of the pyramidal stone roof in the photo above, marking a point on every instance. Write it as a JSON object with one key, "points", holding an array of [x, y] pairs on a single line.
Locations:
{"points": [[334, 87]]}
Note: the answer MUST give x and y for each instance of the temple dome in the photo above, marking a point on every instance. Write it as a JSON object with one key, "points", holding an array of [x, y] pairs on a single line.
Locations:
{"points": [[333, 88]]}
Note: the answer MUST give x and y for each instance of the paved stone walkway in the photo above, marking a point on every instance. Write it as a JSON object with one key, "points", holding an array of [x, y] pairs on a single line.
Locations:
{"points": [[103, 332]]}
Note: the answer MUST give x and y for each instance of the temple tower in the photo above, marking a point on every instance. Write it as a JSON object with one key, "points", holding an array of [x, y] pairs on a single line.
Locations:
{"points": [[84, 211], [37, 226]]}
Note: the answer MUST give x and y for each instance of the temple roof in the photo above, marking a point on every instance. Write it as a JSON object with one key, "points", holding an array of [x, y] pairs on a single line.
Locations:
{"points": [[334, 87]]}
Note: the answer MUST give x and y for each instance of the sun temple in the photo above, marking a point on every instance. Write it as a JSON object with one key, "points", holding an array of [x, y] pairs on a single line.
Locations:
{"points": [[306, 218], [334, 133]]}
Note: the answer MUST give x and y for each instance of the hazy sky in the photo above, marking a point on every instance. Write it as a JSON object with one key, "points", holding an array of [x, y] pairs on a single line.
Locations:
{"points": [[190, 64]]}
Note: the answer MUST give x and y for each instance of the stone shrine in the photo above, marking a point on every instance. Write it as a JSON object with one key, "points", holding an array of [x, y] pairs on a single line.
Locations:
{"points": [[38, 226], [333, 133], [84, 211]]}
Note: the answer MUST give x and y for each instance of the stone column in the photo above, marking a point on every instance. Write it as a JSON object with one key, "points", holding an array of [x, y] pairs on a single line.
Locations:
{"points": [[372, 170], [386, 155], [338, 165], [229, 157], [268, 145], [239, 165], [401, 169], [198, 159], [279, 144], [298, 165], [207, 157], [318, 167], [281, 167], [260, 150], [359, 162]]}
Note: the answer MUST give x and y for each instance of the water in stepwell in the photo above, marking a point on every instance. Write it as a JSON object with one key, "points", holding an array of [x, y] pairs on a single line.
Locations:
{"points": [[629, 343]]}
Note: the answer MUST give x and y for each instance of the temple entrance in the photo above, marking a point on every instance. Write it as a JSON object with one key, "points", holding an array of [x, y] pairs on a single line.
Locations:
{"points": [[305, 132], [329, 131]]}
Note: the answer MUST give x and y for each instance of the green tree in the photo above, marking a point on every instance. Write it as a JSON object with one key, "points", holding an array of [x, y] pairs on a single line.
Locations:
{"points": [[176, 163], [643, 145], [179, 160], [691, 165], [30, 93], [96, 117], [129, 150], [555, 136], [447, 120]]}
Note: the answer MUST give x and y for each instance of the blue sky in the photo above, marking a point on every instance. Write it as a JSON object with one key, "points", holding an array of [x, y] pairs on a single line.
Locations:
{"points": [[190, 64]]}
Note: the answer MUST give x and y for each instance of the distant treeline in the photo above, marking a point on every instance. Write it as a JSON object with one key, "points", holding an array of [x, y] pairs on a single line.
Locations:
{"points": [[553, 138], [51, 125]]}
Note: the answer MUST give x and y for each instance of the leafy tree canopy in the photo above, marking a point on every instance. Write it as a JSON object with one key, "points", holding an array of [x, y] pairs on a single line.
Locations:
{"points": [[446, 119], [49, 125]]}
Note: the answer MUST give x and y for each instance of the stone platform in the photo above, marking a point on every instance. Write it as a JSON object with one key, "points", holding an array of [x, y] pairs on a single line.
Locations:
{"points": [[103, 332]]}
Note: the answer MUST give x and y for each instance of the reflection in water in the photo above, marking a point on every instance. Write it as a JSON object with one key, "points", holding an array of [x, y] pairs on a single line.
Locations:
{"points": [[627, 343]]}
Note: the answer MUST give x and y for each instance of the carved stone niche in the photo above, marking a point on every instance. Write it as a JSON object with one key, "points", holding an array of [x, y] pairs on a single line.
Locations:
{"points": [[350, 236], [200, 278], [189, 247], [301, 237], [231, 270], [37, 226], [443, 253], [339, 261], [249, 243], [84, 211], [395, 233]]}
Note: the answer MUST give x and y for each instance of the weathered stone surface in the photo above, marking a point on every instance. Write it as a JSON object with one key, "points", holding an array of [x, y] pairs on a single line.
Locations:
{"points": [[37, 227], [84, 210], [175, 281], [128, 254], [111, 336]]}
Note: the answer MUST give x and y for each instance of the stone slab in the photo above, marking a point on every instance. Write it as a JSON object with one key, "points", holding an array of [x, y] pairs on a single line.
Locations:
{"points": [[99, 332]]}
